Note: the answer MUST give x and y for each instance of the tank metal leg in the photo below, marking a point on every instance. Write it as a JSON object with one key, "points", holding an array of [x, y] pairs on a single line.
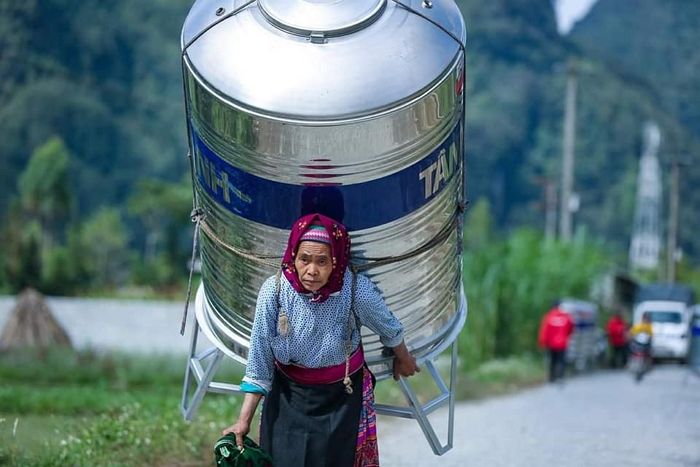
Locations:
{"points": [[202, 367], [420, 412]]}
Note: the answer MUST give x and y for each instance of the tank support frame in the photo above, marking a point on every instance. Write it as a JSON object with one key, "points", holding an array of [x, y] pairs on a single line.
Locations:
{"points": [[419, 412], [202, 367]]}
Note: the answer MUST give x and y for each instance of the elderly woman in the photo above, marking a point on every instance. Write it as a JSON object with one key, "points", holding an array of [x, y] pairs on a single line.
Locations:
{"points": [[306, 355]]}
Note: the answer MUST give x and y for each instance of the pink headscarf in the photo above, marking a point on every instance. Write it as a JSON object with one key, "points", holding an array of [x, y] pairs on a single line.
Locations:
{"points": [[340, 254]]}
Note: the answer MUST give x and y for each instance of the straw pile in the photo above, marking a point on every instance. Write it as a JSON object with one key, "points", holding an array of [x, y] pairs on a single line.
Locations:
{"points": [[31, 324]]}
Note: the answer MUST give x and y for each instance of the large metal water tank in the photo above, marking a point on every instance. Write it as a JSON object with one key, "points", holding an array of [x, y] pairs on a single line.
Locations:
{"points": [[352, 108]]}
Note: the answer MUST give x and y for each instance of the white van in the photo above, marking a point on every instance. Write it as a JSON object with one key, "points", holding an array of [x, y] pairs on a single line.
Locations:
{"points": [[671, 317], [670, 323]]}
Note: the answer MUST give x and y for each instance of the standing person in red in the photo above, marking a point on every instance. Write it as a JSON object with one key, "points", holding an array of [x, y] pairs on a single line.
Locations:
{"points": [[555, 329], [617, 337]]}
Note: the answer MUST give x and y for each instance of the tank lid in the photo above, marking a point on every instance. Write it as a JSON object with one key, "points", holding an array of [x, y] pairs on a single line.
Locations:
{"points": [[327, 17], [392, 56]]}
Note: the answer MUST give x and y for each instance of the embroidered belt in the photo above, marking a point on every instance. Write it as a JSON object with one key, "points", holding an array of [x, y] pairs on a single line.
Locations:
{"points": [[323, 375]]}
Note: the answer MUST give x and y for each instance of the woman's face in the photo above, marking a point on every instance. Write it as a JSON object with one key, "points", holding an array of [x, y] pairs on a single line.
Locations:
{"points": [[313, 264]]}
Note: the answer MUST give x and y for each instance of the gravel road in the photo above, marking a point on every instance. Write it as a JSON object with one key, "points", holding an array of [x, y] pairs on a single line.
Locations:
{"points": [[604, 419]]}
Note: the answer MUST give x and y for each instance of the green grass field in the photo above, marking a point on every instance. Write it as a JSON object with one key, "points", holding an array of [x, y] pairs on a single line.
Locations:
{"points": [[61, 408]]}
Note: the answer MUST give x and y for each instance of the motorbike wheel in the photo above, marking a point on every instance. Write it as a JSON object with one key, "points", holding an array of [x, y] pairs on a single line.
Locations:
{"points": [[636, 366]]}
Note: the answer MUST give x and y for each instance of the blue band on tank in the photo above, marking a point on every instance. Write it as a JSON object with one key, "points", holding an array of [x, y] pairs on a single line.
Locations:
{"points": [[358, 206]]}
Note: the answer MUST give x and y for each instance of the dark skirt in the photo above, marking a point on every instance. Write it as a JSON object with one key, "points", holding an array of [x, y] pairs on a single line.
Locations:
{"points": [[311, 425]]}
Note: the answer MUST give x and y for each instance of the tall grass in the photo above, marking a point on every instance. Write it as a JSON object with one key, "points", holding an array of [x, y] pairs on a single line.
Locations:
{"points": [[510, 283]]}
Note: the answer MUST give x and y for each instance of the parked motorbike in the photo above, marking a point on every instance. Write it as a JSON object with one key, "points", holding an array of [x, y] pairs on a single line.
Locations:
{"points": [[640, 355]]}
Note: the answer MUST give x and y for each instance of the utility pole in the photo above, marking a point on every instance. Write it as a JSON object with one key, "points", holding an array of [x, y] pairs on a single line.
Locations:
{"points": [[569, 140], [550, 210], [673, 222]]}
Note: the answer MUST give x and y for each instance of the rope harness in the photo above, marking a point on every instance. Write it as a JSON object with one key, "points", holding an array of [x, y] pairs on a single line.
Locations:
{"points": [[273, 261]]}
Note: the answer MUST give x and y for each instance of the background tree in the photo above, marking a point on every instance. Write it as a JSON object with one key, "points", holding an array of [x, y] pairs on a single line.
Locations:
{"points": [[65, 267], [103, 241], [22, 245], [163, 210], [44, 189]]}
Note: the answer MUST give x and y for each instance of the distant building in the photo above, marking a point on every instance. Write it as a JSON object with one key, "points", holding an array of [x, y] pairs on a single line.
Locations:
{"points": [[646, 235]]}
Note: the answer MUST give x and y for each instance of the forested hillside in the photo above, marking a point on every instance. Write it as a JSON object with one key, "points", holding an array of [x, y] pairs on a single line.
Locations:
{"points": [[515, 108], [93, 175], [658, 45], [104, 76], [91, 133]]}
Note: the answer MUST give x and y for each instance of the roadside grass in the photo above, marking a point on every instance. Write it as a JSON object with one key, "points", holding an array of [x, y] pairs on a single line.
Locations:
{"points": [[62, 408], [501, 376], [495, 377]]}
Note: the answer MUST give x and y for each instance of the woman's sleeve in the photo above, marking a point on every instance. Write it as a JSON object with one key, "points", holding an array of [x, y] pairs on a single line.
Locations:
{"points": [[373, 313], [259, 371]]}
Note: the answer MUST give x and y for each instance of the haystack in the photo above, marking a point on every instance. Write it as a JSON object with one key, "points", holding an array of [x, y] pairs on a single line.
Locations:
{"points": [[31, 324]]}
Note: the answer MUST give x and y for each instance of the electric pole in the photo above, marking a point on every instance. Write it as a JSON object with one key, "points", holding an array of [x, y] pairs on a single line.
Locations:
{"points": [[569, 140], [550, 210]]}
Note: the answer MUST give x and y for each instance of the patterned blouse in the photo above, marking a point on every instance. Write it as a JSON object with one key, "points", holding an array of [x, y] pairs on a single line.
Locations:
{"points": [[317, 331]]}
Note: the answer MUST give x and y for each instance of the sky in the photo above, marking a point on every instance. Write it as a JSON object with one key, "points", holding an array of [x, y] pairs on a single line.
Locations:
{"points": [[570, 11]]}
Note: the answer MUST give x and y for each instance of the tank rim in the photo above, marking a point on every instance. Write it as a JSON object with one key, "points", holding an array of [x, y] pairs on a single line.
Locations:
{"points": [[329, 120]]}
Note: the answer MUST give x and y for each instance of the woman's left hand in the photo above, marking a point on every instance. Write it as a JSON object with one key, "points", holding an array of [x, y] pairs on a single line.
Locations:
{"points": [[405, 367], [404, 363]]}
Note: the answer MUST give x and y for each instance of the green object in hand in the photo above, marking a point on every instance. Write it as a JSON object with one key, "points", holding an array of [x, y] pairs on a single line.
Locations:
{"points": [[227, 453]]}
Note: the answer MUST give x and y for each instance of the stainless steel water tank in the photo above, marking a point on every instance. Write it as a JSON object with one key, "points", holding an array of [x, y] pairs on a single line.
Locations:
{"points": [[353, 108]]}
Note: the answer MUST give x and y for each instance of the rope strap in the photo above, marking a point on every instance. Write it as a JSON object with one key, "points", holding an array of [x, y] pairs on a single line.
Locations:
{"points": [[219, 20], [438, 239], [273, 261], [348, 341], [197, 216], [433, 22]]}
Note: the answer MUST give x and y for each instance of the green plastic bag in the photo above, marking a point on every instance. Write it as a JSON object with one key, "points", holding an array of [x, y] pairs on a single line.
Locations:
{"points": [[227, 454]]}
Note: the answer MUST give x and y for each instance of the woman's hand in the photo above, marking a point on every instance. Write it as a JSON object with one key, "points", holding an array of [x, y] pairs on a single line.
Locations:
{"points": [[404, 363], [405, 367], [240, 429], [242, 426]]}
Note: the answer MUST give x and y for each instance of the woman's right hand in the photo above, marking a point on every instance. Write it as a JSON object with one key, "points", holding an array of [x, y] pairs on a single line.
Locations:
{"points": [[242, 426], [240, 429]]}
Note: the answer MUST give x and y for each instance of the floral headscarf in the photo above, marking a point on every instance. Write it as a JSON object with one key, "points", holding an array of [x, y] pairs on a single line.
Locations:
{"points": [[340, 254]]}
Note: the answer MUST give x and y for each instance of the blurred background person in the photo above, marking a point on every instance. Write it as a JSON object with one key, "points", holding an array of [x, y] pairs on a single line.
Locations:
{"points": [[555, 329], [640, 337], [642, 327], [617, 338]]}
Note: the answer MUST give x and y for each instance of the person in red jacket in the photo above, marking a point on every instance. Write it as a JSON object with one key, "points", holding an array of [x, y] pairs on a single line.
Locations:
{"points": [[617, 337], [555, 329]]}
